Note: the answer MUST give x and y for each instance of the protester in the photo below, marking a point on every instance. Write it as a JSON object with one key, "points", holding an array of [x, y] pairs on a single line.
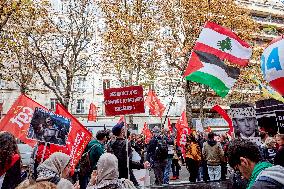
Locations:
{"points": [[224, 143], [279, 157], [10, 162], [269, 150], [94, 150], [175, 163], [38, 185], [213, 154], [106, 176], [192, 157], [157, 154], [56, 169], [118, 148], [140, 146], [170, 146], [244, 157]]}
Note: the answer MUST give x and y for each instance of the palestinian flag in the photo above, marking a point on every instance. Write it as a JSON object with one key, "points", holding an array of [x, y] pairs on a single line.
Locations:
{"points": [[209, 70], [224, 43]]}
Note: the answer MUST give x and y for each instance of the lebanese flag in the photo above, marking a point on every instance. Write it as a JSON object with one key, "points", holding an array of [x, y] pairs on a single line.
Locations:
{"points": [[154, 104], [78, 137], [182, 130], [224, 43], [92, 116], [225, 116], [147, 133]]}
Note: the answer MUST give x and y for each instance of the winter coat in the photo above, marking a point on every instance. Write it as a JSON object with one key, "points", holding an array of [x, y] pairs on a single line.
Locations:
{"points": [[95, 152], [213, 153], [192, 151], [271, 177], [118, 148], [279, 157], [11, 178]]}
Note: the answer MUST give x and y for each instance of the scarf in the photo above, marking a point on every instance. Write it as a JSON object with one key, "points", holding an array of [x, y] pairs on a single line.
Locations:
{"points": [[256, 171], [107, 168], [53, 167]]}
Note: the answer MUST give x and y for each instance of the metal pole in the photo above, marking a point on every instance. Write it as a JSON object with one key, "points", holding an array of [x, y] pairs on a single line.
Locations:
{"points": [[127, 151]]}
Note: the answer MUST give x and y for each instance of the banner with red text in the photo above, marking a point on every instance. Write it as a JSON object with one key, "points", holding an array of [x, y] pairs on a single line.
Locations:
{"points": [[125, 100]]}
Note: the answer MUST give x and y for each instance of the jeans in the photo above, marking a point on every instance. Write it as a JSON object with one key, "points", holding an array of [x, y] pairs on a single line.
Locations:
{"points": [[83, 181], [192, 166], [167, 172]]}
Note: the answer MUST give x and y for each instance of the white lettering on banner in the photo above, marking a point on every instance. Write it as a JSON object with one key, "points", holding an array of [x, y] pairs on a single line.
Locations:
{"points": [[112, 94], [78, 139], [121, 101], [122, 108], [183, 137], [24, 117]]}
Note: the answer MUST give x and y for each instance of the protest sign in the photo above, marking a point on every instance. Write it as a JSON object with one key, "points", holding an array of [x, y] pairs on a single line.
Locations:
{"points": [[122, 101]]}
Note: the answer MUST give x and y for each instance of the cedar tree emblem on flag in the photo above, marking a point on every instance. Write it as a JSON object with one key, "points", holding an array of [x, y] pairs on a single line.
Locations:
{"points": [[225, 44]]}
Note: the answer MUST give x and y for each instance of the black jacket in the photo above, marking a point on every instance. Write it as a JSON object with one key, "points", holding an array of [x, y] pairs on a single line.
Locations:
{"points": [[118, 148], [279, 158], [13, 176]]}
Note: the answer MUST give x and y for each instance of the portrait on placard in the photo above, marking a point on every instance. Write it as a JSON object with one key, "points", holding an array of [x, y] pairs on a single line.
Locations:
{"points": [[244, 119], [49, 127]]}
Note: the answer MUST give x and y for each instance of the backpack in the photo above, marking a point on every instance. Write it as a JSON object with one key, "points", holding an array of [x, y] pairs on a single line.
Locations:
{"points": [[161, 152], [85, 162]]}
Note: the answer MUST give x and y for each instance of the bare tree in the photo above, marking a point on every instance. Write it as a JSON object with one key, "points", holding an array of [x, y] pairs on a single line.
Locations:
{"points": [[63, 46]]}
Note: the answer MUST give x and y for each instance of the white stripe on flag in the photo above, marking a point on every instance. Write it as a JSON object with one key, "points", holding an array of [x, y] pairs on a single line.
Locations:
{"points": [[219, 73], [211, 38]]}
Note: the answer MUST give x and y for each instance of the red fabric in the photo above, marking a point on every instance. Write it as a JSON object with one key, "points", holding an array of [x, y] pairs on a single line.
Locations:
{"points": [[15, 158], [147, 133], [224, 114], [155, 105], [170, 126], [92, 116], [41, 152], [221, 54], [194, 64], [18, 118], [77, 140], [121, 119], [182, 130], [123, 101]]}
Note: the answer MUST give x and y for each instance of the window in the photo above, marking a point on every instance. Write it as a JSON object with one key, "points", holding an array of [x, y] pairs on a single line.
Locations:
{"points": [[53, 104], [57, 82], [80, 106], [81, 84], [106, 84]]}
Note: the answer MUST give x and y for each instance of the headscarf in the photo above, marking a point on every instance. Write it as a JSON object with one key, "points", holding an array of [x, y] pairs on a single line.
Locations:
{"points": [[107, 168], [53, 167]]}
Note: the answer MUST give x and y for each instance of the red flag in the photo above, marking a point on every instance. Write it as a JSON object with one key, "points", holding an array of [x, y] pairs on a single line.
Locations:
{"points": [[78, 137], [147, 133], [155, 105], [18, 118], [224, 114], [182, 130], [170, 126], [92, 112]]}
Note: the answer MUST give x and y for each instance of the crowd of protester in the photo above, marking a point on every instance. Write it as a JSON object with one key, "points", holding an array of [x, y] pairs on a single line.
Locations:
{"points": [[105, 163]]}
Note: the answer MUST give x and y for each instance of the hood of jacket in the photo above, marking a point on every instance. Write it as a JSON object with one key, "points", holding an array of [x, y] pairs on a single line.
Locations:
{"points": [[275, 172], [212, 142]]}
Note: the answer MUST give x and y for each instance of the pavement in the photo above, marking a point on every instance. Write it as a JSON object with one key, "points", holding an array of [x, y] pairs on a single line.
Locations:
{"points": [[183, 182]]}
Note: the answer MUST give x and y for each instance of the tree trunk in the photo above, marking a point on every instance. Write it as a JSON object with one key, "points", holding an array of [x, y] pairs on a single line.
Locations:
{"points": [[188, 99], [202, 103]]}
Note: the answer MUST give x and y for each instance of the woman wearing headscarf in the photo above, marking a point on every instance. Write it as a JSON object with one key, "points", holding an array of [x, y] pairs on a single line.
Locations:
{"points": [[10, 162], [56, 169], [106, 176]]}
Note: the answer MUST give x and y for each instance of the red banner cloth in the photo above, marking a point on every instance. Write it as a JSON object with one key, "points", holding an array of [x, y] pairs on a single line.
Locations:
{"points": [[170, 126], [224, 114], [78, 137], [122, 101], [147, 133], [18, 118], [92, 116], [155, 105], [182, 130]]}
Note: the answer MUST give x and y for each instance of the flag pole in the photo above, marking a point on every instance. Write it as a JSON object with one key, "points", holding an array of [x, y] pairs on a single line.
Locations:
{"points": [[127, 151]]}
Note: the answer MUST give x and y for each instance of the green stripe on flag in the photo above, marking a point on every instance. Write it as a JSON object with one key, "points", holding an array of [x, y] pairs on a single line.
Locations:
{"points": [[213, 82]]}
